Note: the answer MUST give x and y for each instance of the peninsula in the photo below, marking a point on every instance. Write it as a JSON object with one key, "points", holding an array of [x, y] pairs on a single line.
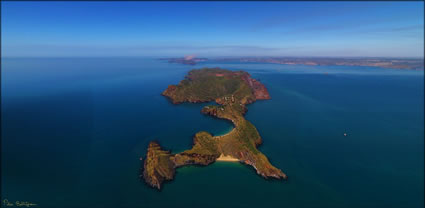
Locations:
{"points": [[232, 91]]}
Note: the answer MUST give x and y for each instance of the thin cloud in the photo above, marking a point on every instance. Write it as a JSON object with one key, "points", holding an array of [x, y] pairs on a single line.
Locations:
{"points": [[111, 50]]}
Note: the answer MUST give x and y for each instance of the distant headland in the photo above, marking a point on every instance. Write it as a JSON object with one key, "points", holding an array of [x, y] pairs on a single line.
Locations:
{"points": [[188, 60], [232, 90]]}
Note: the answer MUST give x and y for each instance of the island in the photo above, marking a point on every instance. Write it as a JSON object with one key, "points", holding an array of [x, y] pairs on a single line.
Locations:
{"points": [[188, 60], [232, 91]]}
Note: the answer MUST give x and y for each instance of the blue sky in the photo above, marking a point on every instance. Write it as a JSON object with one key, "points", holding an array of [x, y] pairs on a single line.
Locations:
{"points": [[378, 29]]}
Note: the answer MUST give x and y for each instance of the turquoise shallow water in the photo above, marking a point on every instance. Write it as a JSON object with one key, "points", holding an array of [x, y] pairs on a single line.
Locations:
{"points": [[73, 130]]}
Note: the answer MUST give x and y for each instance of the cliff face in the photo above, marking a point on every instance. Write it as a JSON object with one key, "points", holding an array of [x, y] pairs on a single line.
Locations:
{"points": [[157, 166], [232, 90], [259, 90], [170, 93]]}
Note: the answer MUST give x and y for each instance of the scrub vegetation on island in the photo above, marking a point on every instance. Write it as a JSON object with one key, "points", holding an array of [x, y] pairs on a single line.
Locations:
{"points": [[232, 90]]}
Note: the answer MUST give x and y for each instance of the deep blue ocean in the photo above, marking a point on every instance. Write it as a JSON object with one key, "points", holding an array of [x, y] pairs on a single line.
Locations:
{"points": [[73, 130]]}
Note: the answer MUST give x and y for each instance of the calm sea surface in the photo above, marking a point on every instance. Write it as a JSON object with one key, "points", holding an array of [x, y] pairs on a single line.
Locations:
{"points": [[73, 130]]}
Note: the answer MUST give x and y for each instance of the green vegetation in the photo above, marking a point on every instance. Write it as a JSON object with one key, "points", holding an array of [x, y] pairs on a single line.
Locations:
{"points": [[204, 144], [209, 84], [232, 90]]}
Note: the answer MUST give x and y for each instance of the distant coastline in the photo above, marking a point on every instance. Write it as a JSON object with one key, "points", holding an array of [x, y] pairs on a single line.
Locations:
{"points": [[394, 63]]}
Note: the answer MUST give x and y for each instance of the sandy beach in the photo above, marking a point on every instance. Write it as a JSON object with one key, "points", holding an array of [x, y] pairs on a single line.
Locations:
{"points": [[227, 158]]}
